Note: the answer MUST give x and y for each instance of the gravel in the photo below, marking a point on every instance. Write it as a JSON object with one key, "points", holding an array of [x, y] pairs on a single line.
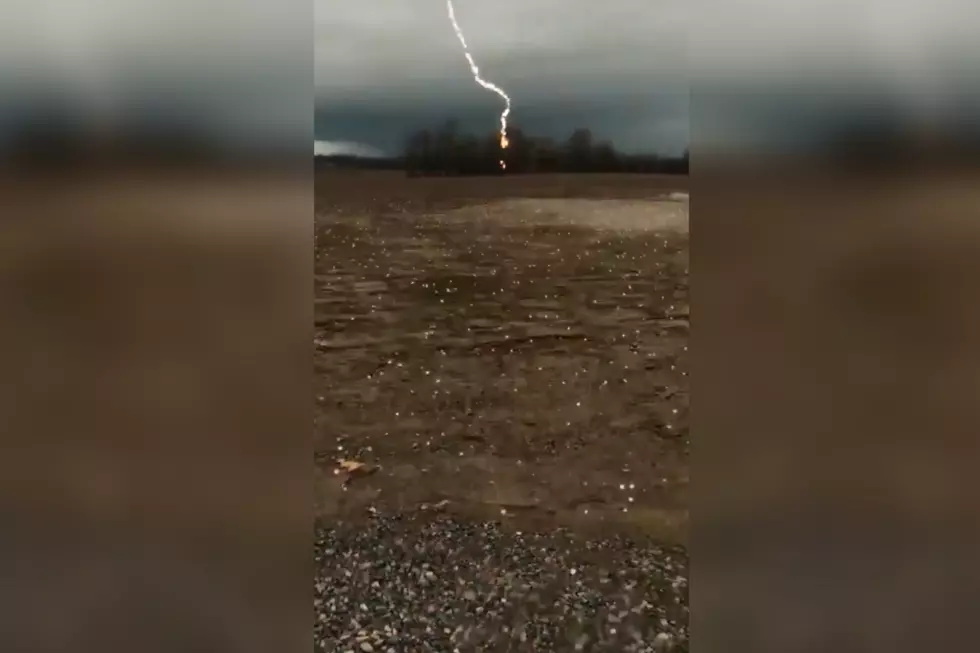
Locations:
{"points": [[400, 584]]}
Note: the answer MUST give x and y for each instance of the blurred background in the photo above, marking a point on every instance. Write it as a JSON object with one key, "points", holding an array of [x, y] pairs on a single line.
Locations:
{"points": [[892, 82], [155, 228], [835, 239], [83, 80]]}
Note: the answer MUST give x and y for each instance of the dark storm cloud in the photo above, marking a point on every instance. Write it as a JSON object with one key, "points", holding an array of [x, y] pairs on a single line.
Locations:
{"points": [[786, 73], [145, 68], [386, 67]]}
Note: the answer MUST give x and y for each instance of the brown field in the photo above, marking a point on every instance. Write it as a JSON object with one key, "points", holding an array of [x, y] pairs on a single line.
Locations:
{"points": [[510, 347]]}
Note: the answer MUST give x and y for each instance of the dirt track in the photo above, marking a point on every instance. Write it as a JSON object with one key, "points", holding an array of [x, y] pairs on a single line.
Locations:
{"points": [[512, 347]]}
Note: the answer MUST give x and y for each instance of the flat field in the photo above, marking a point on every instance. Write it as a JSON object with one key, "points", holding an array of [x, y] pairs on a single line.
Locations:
{"points": [[511, 348]]}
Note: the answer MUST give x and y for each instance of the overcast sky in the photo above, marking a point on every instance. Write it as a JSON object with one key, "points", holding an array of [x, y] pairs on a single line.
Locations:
{"points": [[762, 69], [618, 67]]}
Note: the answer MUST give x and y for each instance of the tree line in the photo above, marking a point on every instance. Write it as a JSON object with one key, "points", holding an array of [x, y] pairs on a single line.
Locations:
{"points": [[447, 151]]}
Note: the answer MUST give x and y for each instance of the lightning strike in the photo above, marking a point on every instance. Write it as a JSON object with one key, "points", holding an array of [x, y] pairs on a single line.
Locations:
{"points": [[490, 86]]}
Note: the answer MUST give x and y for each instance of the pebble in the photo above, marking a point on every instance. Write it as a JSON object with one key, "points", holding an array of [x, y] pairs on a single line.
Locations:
{"points": [[393, 584]]}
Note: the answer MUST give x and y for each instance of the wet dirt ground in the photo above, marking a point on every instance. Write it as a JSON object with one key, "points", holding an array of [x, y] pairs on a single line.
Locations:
{"points": [[511, 348]]}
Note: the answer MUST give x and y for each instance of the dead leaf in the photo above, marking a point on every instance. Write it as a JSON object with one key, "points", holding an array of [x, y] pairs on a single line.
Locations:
{"points": [[353, 467], [349, 465]]}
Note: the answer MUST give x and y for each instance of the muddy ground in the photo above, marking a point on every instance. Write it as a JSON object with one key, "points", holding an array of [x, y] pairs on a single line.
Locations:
{"points": [[509, 347]]}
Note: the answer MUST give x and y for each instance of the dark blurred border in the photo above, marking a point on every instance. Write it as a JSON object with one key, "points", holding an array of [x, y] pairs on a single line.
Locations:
{"points": [[835, 240], [155, 259]]}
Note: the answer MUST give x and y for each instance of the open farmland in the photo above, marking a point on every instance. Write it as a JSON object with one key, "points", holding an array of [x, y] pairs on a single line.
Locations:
{"points": [[506, 354], [514, 353]]}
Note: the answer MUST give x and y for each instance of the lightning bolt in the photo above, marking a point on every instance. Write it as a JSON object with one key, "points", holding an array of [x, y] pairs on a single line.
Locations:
{"points": [[490, 86]]}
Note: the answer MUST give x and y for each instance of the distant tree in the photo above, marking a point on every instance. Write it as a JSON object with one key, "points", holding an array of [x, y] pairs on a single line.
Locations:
{"points": [[580, 150], [518, 153], [446, 151], [548, 156], [468, 155], [489, 161], [418, 153], [445, 147], [605, 158]]}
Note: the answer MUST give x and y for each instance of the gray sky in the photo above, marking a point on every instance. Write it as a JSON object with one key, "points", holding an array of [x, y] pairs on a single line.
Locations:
{"points": [[618, 67], [761, 69]]}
